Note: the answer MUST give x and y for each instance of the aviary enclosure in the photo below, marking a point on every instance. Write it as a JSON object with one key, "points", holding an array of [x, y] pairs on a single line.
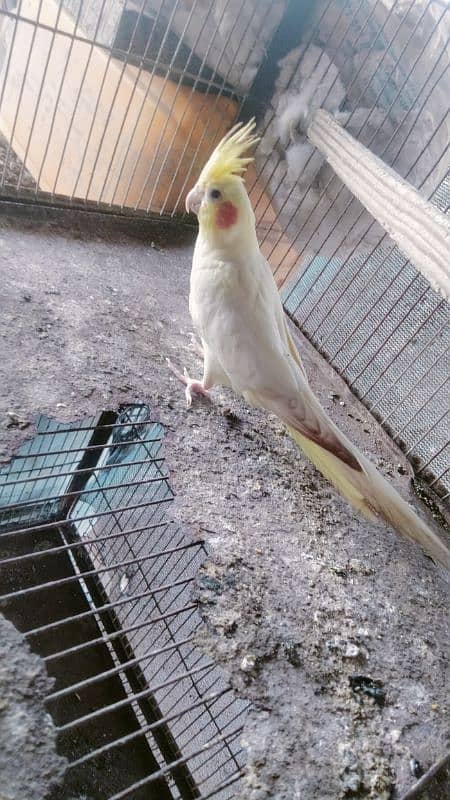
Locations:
{"points": [[112, 107]]}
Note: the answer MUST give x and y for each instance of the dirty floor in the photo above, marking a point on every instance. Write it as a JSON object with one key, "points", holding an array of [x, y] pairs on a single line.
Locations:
{"points": [[335, 628]]}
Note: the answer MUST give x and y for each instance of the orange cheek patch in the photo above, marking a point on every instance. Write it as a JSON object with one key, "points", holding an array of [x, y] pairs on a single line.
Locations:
{"points": [[226, 215]]}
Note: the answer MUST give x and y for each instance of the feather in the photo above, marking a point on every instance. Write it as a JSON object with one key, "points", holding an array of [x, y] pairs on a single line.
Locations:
{"points": [[303, 414], [370, 493], [227, 158]]}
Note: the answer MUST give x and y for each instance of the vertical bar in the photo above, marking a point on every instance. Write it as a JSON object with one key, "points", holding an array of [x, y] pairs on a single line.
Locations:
{"points": [[77, 100], [58, 96], [180, 83], [130, 99], [19, 102], [206, 129], [358, 72], [94, 116], [151, 120], [397, 95], [41, 87]]}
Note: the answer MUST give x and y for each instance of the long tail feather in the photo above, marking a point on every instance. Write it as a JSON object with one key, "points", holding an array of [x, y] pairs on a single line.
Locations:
{"points": [[371, 494]]}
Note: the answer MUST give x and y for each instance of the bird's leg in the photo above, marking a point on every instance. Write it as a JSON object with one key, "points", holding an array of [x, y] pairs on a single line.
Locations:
{"points": [[197, 346], [191, 385]]}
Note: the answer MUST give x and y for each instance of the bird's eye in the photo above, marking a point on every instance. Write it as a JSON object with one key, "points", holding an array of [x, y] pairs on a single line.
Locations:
{"points": [[214, 194]]}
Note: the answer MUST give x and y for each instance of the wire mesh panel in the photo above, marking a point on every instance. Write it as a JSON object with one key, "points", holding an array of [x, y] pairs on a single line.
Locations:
{"points": [[99, 579], [382, 69], [118, 103]]}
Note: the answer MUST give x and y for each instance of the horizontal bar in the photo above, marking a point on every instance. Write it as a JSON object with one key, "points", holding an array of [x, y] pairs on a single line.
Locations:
{"points": [[121, 509], [182, 732], [169, 767], [414, 360], [21, 469], [221, 765], [100, 712], [416, 413], [232, 755], [107, 426], [412, 389], [108, 637], [61, 206], [96, 490], [147, 728], [117, 53], [87, 448], [84, 542], [199, 657], [76, 471], [90, 613], [115, 670], [428, 786], [94, 573], [439, 477]]}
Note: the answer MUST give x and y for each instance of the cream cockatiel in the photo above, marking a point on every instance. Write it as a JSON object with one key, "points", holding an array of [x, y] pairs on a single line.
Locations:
{"points": [[237, 312]]}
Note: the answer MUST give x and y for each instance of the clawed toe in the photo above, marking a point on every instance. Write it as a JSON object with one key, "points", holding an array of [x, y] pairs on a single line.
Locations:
{"points": [[192, 386]]}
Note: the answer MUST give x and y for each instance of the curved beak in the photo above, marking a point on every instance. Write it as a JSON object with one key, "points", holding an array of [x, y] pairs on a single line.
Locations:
{"points": [[194, 200]]}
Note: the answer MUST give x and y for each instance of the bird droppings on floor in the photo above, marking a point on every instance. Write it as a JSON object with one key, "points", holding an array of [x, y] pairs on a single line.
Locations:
{"points": [[335, 628]]}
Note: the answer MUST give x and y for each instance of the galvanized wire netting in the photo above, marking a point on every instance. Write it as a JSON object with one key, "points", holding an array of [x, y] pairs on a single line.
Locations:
{"points": [[108, 102], [388, 333], [116, 105], [99, 579], [357, 298]]}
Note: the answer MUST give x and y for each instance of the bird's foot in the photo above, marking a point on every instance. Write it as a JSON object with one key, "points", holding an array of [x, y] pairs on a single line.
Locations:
{"points": [[192, 386]]}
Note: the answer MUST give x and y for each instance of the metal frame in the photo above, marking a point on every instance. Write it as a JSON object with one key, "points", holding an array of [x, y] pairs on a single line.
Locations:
{"points": [[90, 535]]}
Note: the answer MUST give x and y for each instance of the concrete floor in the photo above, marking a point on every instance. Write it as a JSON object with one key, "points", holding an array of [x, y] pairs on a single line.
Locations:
{"points": [[24, 767], [306, 594]]}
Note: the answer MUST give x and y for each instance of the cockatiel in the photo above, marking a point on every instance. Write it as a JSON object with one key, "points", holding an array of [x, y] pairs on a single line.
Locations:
{"points": [[237, 312]]}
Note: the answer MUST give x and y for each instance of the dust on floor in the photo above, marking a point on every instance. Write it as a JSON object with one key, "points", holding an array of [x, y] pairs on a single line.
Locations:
{"points": [[335, 628]]}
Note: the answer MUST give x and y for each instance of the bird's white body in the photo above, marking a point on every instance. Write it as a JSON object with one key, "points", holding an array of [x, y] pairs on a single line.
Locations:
{"points": [[237, 312], [249, 352]]}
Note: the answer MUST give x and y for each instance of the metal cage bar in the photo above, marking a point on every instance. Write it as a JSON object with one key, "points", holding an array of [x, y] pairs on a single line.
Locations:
{"points": [[119, 631]]}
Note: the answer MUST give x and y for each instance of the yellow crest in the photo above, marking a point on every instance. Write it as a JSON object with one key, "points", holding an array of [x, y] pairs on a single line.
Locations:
{"points": [[227, 158]]}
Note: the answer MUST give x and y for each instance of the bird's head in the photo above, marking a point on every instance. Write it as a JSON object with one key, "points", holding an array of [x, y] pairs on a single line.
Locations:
{"points": [[219, 197]]}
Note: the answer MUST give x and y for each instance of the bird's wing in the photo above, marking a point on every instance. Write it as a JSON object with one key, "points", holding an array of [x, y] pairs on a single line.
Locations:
{"points": [[293, 350], [303, 413], [273, 297]]}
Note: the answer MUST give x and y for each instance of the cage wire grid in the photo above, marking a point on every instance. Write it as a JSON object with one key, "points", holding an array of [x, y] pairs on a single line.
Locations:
{"points": [[382, 67], [99, 579], [113, 106], [150, 63], [372, 315]]}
